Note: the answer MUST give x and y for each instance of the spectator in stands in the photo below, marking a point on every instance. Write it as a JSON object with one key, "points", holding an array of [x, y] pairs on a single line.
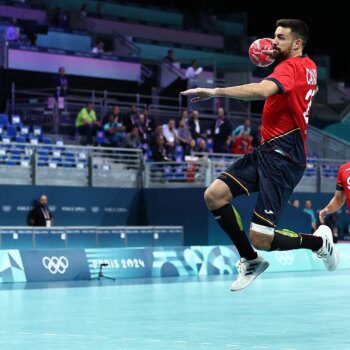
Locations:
{"points": [[114, 130], [184, 115], [201, 146], [296, 203], [242, 144], [158, 130], [195, 126], [149, 120], [13, 32], [143, 130], [192, 73], [99, 48], [169, 58], [222, 131], [132, 139], [130, 119], [184, 137], [87, 124], [60, 18], [40, 215], [61, 83], [84, 10], [158, 150], [170, 136], [308, 210], [257, 137], [116, 113], [246, 127]]}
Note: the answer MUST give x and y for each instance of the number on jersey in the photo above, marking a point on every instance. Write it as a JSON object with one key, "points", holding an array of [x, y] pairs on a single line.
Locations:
{"points": [[310, 94]]}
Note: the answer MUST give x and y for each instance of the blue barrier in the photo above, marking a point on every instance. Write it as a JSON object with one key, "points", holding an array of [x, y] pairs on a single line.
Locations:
{"points": [[77, 264], [90, 237]]}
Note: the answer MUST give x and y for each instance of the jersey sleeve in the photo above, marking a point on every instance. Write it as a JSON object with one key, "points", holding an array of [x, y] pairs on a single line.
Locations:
{"points": [[340, 186], [283, 76]]}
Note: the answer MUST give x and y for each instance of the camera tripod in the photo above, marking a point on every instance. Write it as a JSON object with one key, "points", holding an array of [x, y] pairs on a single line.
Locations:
{"points": [[101, 275]]}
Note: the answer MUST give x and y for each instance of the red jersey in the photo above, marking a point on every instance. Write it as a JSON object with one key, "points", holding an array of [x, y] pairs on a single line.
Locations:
{"points": [[343, 181], [285, 115]]}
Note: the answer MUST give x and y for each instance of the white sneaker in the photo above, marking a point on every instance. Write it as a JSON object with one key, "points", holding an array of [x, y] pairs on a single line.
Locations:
{"points": [[248, 271], [328, 252]]}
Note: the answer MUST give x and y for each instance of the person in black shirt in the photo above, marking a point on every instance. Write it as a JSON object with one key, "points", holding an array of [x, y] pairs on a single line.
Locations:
{"points": [[222, 130], [40, 215], [61, 83], [130, 119], [158, 150]]}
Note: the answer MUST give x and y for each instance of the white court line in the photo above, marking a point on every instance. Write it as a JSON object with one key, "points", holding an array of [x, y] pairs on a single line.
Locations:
{"points": [[50, 334], [180, 341], [154, 340], [206, 344], [233, 345], [260, 347], [23, 333], [125, 338], [75, 335]]}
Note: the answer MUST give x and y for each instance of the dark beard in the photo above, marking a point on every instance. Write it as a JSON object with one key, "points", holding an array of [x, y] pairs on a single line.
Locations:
{"points": [[280, 57]]}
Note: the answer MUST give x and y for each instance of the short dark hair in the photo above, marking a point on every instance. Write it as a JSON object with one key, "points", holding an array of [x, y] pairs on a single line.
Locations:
{"points": [[298, 27]]}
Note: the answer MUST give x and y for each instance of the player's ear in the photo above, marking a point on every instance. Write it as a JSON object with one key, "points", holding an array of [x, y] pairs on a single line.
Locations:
{"points": [[297, 44]]}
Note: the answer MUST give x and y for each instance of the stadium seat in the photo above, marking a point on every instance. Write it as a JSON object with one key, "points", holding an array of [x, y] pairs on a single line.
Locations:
{"points": [[24, 131], [16, 120], [10, 162], [37, 131], [4, 119], [100, 138], [21, 139], [11, 131], [46, 140]]}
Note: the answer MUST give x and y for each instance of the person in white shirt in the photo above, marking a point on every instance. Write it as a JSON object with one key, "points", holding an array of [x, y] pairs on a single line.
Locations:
{"points": [[170, 136], [98, 48], [192, 73], [195, 126]]}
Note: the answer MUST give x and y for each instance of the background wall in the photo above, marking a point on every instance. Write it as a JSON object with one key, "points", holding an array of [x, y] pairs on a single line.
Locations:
{"points": [[106, 206]]}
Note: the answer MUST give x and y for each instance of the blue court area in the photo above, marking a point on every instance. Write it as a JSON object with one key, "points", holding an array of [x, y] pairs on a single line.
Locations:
{"points": [[286, 311]]}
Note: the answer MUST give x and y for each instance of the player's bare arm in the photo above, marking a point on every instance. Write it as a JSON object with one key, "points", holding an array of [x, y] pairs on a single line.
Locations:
{"points": [[254, 91], [334, 205]]}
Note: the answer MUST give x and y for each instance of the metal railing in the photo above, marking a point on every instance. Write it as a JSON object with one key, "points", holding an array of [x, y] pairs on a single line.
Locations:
{"points": [[59, 165], [176, 174], [97, 236], [36, 101], [327, 146], [47, 164], [320, 174]]}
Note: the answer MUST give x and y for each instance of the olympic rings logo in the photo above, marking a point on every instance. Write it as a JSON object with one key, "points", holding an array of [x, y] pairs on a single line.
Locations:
{"points": [[55, 264], [285, 258]]}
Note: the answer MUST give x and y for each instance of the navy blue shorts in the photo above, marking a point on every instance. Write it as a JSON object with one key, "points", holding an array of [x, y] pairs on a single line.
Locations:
{"points": [[269, 173]]}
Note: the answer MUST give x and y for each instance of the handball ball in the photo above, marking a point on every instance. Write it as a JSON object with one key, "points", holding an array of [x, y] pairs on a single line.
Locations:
{"points": [[255, 54]]}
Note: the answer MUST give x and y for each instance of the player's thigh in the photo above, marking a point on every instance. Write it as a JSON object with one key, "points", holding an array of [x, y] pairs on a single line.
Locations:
{"points": [[241, 176]]}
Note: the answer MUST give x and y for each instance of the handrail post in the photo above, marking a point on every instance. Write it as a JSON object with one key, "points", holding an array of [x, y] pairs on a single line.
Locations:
{"points": [[13, 96]]}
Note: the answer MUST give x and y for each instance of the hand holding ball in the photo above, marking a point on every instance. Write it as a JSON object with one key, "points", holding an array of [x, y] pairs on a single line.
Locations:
{"points": [[257, 56]]}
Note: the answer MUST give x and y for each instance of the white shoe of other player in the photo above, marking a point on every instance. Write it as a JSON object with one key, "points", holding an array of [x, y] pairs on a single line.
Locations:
{"points": [[248, 271], [328, 252]]}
